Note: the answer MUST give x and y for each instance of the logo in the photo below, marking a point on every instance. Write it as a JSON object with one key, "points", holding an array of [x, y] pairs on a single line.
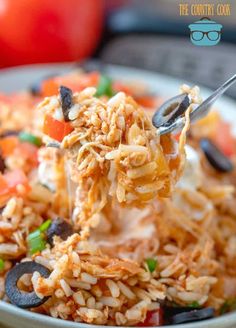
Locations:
{"points": [[205, 32]]}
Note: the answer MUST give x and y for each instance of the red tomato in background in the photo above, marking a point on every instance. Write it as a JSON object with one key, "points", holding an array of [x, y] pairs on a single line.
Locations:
{"points": [[37, 31]]}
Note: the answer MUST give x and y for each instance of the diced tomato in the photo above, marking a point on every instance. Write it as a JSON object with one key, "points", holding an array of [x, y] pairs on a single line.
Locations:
{"points": [[49, 88], [153, 318], [15, 178], [89, 80], [119, 86], [4, 98], [8, 145], [75, 83], [224, 139], [3, 186], [177, 135], [9, 183], [147, 101], [28, 151], [56, 129], [4, 190], [11, 144]]}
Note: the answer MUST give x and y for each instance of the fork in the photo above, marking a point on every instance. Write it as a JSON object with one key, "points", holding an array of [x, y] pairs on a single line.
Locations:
{"points": [[169, 116]]}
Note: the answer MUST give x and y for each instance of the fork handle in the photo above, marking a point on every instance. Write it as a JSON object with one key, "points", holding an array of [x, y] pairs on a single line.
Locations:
{"points": [[205, 106]]}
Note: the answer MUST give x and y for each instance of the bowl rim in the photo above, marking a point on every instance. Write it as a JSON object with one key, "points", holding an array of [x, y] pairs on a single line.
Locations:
{"points": [[13, 310], [60, 323]]}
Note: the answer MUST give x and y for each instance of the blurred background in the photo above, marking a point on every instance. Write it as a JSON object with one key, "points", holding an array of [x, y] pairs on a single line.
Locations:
{"points": [[148, 34]]}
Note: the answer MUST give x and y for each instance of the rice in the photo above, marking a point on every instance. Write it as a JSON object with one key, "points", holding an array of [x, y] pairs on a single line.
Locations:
{"points": [[110, 301], [120, 319], [113, 287], [87, 278], [101, 141], [83, 285], [9, 209], [8, 249], [91, 303], [59, 293], [66, 288], [125, 290], [78, 298], [92, 315]]}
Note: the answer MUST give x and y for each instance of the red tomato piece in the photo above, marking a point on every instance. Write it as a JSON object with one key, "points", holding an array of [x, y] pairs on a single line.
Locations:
{"points": [[28, 151], [147, 101], [49, 88], [56, 129], [3, 186], [224, 139], [75, 83], [8, 145], [153, 318], [15, 178], [119, 86], [4, 98], [89, 80], [4, 190], [177, 135]]}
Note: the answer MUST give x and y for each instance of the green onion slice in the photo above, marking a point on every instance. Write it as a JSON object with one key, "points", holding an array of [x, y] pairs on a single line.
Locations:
{"points": [[36, 242], [36, 239], [228, 306], [194, 304], [1, 264], [151, 263], [45, 225], [104, 87], [28, 137]]}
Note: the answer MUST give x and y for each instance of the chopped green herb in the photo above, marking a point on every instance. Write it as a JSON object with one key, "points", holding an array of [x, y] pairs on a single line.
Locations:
{"points": [[173, 304], [28, 137], [233, 305], [36, 242], [104, 87], [151, 263], [194, 304], [1, 264], [45, 225], [228, 306], [224, 308]]}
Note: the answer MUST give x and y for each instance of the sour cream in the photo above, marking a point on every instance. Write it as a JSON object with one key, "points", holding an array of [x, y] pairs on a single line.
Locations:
{"points": [[46, 175], [192, 175]]}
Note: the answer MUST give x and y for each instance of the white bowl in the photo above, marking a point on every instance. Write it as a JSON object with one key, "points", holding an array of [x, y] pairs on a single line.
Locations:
{"points": [[20, 78]]}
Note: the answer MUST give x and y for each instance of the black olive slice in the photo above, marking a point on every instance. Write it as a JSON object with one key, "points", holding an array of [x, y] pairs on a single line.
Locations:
{"points": [[171, 110], [61, 228], [20, 298], [35, 88], [194, 315], [173, 310], [9, 133], [170, 309], [53, 144], [215, 157], [2, 164], [66, 101]]}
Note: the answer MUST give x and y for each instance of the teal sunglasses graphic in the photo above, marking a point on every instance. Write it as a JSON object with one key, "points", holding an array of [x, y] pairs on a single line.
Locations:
{"points": [[205, 32]]}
